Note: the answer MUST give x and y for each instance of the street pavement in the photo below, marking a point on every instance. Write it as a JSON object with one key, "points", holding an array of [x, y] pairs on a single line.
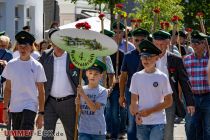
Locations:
{"points": [[179, 133]]}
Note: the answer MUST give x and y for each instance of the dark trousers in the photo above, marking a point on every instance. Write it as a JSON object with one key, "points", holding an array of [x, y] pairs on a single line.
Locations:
{"points": [[23, 121], [63, 110]]}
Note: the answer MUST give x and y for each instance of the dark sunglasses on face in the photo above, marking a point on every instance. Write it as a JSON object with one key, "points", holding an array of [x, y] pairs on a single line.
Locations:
{"points": [[147, 57]]}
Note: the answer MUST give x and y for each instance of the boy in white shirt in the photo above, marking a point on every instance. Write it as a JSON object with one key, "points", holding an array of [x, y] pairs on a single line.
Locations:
{"points": [[151, 94], [24, 89]]}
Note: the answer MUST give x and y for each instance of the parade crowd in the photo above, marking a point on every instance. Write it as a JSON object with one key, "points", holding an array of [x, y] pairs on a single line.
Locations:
{"points": [[152, 80]]}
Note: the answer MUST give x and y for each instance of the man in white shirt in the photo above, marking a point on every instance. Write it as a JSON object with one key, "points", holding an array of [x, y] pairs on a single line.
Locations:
{"points": [[62, 80]]}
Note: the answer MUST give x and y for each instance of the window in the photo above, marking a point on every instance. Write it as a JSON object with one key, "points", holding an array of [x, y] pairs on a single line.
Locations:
{"points": [[28, 13], [16, 12], [16, 26]]}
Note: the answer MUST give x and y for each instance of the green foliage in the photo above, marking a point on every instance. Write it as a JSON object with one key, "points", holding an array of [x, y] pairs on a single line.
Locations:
{"points": [[168, 8], [190, 11]]}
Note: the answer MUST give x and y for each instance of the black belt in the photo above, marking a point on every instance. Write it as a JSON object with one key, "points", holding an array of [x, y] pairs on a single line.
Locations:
{"points": [[201, 94], [58, 99]]}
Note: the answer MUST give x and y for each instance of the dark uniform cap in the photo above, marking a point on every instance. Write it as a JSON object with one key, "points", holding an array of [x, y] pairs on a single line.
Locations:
{"points": [[150, 38], [130, 34], [2, 33], [24, 37], [98, 65], [121, 27], [182, 34], [26, 27], [108, 33], [140, 32], [197, 36], [147, 48], [161, 35]]}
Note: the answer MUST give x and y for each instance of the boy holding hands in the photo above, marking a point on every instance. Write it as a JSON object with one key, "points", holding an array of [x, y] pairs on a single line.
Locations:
{"points": [[151, 94], [93, 98]]}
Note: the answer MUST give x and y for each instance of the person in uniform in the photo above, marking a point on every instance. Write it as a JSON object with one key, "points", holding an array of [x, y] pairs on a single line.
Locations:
{"points": [[24, 90], [129, 66]]}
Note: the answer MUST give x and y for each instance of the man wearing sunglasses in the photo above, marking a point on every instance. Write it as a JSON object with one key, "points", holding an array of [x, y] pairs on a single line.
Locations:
{"points": [[198, 125], [129, 67]]}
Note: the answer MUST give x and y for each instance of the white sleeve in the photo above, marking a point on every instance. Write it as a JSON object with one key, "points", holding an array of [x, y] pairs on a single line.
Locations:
{"points": [[166, 86], [41, 77], [133, 86], [7, 72]]}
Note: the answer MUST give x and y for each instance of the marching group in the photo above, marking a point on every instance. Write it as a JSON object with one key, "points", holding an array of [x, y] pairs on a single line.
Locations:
{"points": [[151, 80]]}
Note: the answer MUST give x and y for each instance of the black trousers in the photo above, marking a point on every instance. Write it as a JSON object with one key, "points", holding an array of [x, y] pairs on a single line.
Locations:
{"points": [[23, 121]]}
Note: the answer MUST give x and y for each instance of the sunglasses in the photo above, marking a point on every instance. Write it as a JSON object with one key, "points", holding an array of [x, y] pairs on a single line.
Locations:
{"points": [[149, 57]]}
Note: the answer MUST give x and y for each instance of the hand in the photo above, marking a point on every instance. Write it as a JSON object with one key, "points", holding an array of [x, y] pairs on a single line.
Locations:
{"points": [[109, 91], [133, 109], [80, 90], [5, 116], [191, 110], [3, 62], [138, 119], [77, 100], [39, 121], [145, 112], [122, 101]]}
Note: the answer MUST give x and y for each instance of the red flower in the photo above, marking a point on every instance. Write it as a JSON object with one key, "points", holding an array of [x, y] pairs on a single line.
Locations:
{"points": [[175, 18], [133, 20], [199, 14], [71, 66], [78, 25], [101, 15], [156, 10], [119, 6], [162, 24], [167, 24], [139, 20], [83, 25], [172, 70], [189, 30], [87, 26]]}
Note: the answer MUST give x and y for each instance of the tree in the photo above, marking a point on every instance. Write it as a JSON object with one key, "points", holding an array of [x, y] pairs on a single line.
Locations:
{"points": [[192, 8], [168, 8]]}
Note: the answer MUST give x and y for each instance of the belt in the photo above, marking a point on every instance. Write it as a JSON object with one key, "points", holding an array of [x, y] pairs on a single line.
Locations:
{"points": [[202, 94], [58, 99]]}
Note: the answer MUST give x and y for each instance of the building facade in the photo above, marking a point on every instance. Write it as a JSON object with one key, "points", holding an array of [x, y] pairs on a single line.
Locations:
{"points": [[14, 14]]}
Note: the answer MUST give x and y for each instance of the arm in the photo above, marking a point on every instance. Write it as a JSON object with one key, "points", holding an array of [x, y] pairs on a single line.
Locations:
{"points": [[168, 100], [184, 82], [134, 104], [122, 85], [41, 98], [93, 106], [7, 96]]}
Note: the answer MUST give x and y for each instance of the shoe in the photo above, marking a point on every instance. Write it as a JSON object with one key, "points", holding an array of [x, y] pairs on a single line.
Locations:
{"points": [[122, 136]]}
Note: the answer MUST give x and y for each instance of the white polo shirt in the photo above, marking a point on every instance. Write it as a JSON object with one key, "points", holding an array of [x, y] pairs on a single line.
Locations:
{"points": [[61, 86]]}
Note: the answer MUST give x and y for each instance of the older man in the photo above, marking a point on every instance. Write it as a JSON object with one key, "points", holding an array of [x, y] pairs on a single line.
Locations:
{"points": [[198, 125], [60, 90]]}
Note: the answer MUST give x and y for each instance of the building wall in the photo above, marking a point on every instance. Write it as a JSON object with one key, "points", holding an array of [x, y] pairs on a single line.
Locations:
{"points": [[14, 14], [67, 11]]}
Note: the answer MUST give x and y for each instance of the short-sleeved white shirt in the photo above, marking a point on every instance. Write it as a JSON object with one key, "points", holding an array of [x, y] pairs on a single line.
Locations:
{"points": [[23, 76], [151, 88]]}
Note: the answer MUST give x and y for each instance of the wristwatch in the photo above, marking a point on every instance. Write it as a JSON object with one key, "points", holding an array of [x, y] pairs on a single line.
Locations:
{"points": [[41, 112]]}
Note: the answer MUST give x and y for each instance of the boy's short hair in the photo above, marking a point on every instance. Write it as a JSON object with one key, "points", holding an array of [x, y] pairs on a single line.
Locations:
{"points": [[98, 65]]}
